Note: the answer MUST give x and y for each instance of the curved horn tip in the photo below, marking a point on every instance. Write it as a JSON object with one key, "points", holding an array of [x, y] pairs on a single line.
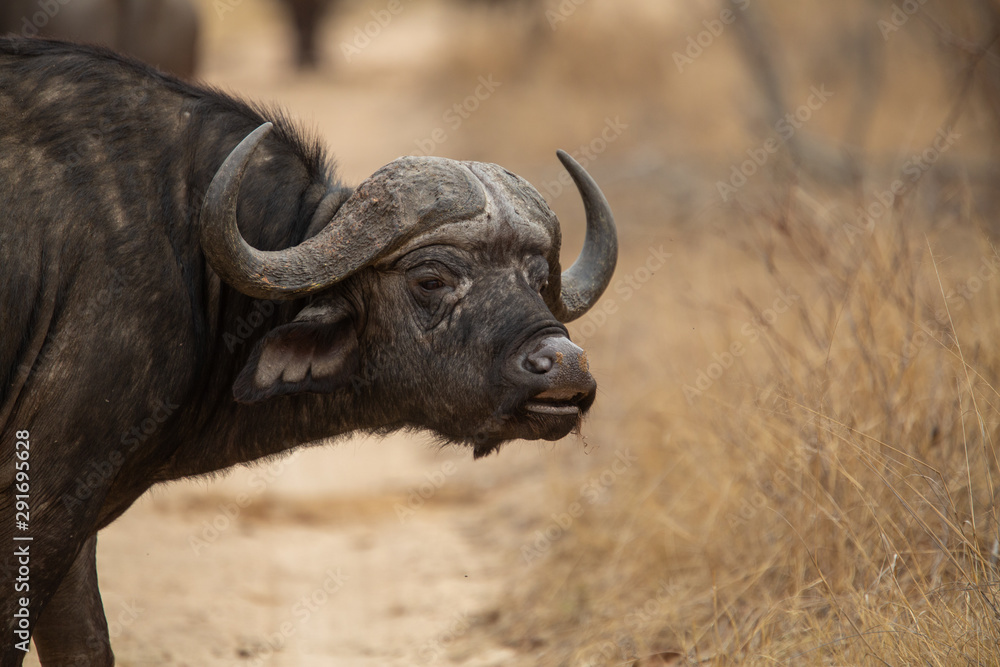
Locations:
{"points": [[237, 160], [255, 137], [588, 277]]}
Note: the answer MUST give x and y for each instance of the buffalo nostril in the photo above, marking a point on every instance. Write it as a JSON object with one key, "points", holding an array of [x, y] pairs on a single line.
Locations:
{"points": [[538, 363], [555, 371]]}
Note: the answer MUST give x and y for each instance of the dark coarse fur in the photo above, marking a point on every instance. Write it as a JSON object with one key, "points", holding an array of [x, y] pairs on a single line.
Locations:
{"points": [[103, 166], [121, 349]]}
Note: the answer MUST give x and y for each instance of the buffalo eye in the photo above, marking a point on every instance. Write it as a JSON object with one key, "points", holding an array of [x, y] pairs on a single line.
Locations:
{"points": [[431, 284]]}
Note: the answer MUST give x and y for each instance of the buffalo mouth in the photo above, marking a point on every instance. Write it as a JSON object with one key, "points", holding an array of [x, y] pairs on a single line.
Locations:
{"points": [[553, 413], [558, 402], [550, 415]]}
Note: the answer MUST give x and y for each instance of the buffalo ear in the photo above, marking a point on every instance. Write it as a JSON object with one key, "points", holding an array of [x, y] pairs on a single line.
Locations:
{"points": [[316, 352]]}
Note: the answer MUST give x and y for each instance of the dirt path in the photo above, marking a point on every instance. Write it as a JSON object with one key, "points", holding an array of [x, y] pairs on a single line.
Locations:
{"points": [[351, 555], [361, 553]]}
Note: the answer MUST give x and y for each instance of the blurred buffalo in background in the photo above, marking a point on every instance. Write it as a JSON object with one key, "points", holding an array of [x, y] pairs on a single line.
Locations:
{"points": [[306, 17], [163, 33]]}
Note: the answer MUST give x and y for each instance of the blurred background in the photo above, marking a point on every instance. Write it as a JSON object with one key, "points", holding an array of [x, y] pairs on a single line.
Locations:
{"points": [[792, 458]]}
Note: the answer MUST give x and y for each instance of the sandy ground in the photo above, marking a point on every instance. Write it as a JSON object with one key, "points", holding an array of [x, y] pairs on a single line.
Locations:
{"points": [[366, 552], [336, 556]]}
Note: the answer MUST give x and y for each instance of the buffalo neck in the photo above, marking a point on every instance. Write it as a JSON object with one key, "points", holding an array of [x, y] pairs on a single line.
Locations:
{"points": [[276, 210]]}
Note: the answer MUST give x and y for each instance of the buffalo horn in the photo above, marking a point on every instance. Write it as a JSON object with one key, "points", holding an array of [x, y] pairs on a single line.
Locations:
{"points": [[401, 199], [584, 282]]}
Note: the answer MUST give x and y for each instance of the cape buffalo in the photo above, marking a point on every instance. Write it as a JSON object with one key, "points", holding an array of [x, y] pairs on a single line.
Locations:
{"points": [[307, 17], [186, 286], [163, 33]]}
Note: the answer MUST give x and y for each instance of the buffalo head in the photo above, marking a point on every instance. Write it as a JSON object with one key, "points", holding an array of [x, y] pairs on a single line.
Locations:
{"points": [[433, 298]]}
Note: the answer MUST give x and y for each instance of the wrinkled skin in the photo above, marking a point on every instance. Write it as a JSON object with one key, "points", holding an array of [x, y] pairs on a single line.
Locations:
{"points": [[163, 33], [130, 362], [469, 303], [434, 335]]}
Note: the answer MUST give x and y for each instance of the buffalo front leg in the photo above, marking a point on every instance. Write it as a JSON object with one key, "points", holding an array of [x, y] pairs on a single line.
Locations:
{"points": [[72, 629]]}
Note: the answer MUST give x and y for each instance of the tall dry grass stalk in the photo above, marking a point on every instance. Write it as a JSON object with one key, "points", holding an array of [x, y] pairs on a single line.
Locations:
{"points": [[835, 504]]}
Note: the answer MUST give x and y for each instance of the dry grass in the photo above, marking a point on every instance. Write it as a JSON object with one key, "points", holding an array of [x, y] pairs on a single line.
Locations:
{"points": [[835, 504]]}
